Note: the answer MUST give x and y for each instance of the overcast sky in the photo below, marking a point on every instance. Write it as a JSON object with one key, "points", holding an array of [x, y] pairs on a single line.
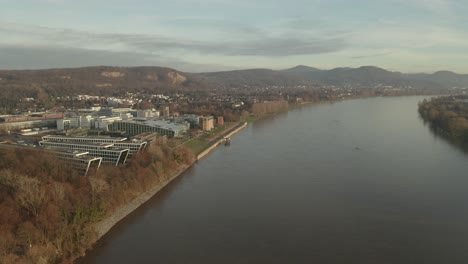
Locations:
{"points": [[210, 35]]}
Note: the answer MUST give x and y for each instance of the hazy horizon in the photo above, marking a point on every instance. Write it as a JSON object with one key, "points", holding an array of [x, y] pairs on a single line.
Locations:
{"points": [[222, 70], [411, 36]]}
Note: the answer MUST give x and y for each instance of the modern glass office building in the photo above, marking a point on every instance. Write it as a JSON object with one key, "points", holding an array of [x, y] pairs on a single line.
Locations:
{"points": [[119, 142], [164, 128], [79, 161], [107, 151]]}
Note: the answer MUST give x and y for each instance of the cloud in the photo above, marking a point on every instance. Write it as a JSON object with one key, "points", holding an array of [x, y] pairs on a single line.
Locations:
{"points": [[256, 45], [286, 46], [28, 57], [442, 7], [372, 55], [409, 35]]}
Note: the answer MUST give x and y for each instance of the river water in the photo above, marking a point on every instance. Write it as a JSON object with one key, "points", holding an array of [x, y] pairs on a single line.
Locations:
{"points": [[360, 181]]}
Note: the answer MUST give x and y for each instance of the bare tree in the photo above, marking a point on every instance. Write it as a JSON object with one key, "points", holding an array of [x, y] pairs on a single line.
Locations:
{"points": [[30, 194]]}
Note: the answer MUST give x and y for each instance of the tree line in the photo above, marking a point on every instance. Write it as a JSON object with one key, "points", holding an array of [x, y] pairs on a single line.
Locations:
{"points": [[447, 115], [269, 107]]}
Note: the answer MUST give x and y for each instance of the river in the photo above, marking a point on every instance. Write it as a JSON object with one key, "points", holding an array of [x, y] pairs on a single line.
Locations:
{"points": [[360, 181]]}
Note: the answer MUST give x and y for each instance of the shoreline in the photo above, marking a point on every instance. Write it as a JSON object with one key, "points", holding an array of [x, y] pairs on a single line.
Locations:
{"points": [[220, 141], [104, 226]]}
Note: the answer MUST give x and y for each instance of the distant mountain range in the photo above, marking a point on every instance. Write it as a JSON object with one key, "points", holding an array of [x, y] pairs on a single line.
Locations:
{"points": [[106, 80], [366, 76], [253, 77]]}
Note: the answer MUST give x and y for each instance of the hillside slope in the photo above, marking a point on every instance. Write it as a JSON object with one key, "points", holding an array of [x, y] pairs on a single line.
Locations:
{"points": [[101, 80]]}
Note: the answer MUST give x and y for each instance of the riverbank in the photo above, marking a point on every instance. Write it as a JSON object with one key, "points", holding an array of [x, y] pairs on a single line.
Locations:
{"points": [[447, 117], [220, 140], [253, 118], [105, 225]]}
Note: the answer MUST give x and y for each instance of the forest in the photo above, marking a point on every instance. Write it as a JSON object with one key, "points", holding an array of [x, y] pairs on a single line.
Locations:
{"points": [[447, 116], [48, 212]]}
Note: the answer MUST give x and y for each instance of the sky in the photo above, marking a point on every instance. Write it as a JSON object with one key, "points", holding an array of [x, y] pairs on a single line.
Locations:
{"points": [[214, 35]]}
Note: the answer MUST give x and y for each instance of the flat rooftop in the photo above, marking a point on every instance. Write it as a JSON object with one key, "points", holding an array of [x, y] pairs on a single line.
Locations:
{"points": [[97, 146], [86, 138], [157, 123]]}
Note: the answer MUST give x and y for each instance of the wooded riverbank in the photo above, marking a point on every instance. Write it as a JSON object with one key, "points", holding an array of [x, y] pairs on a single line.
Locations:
{"points": [[447, 116]]}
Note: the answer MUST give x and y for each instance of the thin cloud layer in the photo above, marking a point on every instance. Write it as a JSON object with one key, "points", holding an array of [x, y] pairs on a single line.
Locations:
{"points": [[27, 57], [240, 33], [151, 44]]}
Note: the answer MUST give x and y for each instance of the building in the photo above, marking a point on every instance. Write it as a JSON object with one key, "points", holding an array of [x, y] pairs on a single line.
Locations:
{"points": [[152, 138], [108, 152], [121, 110], [105, 111], [23, 122], [103, 122], [79, 161], [75, 122], [147, 113], [166, 112], [68, 123], [207, 123], [32, 117], [192, 119], [87, 122], [220, 120], [138, 126], [134, 146]]}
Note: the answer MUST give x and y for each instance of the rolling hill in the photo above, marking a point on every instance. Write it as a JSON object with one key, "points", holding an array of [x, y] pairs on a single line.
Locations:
{"points": [[101, 80]]}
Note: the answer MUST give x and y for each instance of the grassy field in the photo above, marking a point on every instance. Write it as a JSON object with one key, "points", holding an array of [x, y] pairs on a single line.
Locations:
{"points": [[250, 119], [197, 145], [218, 130]]}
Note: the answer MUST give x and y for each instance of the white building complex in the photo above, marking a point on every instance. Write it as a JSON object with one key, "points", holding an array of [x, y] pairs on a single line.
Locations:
{"points": [[76, 122]]}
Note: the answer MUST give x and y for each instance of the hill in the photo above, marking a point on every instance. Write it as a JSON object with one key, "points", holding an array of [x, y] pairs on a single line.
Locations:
{"points": [[300, 69], [366, 76], [444, 78], [101, 80], [253, 78]]}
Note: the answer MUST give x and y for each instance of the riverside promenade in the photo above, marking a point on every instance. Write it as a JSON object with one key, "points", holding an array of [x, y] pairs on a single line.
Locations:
{"points": [[220, 140]]}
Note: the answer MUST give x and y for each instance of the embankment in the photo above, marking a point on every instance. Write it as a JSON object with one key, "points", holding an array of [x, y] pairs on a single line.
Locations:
{"points": [[220, 140], [105, 225]]}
